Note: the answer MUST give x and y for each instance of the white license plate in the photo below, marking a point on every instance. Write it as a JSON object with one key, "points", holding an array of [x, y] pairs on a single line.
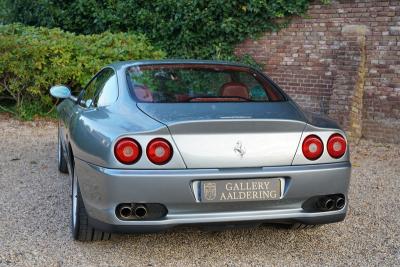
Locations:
{"points": [[241, 190]]}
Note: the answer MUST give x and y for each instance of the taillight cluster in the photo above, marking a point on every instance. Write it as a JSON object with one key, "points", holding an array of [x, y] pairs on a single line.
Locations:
{"points": [[336, 146], [159, 151], [128, 151], [313, 147]]}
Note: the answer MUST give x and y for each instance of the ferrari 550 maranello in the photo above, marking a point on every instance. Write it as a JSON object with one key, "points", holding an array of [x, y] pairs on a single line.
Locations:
{"points": [[151, 145]]}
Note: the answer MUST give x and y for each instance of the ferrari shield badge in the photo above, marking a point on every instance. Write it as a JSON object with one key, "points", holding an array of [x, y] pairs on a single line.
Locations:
{"points": [[210, 191]]}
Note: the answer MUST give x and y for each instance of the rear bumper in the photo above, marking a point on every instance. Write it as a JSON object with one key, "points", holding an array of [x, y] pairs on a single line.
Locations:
{"points": [[255, 219], [103, 189]]}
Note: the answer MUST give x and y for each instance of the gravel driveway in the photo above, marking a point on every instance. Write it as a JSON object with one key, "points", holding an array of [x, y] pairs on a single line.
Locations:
{"points": [[35, 216]]}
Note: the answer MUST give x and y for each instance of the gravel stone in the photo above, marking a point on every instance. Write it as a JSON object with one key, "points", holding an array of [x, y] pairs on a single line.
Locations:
{"points": [[35, 218]]}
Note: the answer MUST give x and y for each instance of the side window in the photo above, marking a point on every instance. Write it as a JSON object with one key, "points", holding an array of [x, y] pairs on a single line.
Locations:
{"points": [[103, 89], [90, 90], [107, 92]]}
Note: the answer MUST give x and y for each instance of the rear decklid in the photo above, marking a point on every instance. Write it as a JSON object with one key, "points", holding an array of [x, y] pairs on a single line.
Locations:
{"points": [[231, 135]]}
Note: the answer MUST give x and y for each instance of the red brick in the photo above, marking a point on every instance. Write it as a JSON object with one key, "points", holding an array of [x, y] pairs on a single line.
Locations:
{"points": [[301, 56]]}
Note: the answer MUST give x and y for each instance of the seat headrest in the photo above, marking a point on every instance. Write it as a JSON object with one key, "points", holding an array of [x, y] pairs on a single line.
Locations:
{"points": [[143, 93], [235, 89]]}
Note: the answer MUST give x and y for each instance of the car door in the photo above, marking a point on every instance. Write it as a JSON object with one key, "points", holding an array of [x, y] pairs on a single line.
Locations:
{"points": [[100, 92]]}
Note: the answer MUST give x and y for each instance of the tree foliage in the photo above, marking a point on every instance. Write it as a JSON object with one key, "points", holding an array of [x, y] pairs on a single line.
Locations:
{"points": [[182, 28], [33, 59]]}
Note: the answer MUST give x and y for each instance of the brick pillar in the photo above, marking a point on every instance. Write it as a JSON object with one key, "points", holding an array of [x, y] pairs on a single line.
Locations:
{"points": [[348, 87]]}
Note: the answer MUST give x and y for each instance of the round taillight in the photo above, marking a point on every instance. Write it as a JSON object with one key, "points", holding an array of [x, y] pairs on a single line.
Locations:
{"points": [[336, 146], [127, 151], [312, 147], [159, 151]]}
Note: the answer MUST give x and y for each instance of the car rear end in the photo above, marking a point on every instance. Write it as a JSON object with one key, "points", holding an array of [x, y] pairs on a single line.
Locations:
{"points": [[232, 148]]}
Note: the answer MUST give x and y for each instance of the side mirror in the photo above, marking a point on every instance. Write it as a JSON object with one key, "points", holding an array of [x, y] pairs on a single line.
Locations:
{"points": [[60, 91]]}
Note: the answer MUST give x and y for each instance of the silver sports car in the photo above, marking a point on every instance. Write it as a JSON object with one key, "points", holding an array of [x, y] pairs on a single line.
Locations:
{"points": [[151, 145]]}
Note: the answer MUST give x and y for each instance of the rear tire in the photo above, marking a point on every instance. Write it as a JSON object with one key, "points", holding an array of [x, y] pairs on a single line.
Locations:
{"points": [[81, 228], [61, 161]]}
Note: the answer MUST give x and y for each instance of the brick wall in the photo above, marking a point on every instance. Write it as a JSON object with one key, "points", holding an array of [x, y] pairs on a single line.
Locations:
{"points": [[343, 60]]}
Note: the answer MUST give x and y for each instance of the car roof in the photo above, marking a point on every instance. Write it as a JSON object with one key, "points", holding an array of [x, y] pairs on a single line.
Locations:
{"points": [[125, 64]]}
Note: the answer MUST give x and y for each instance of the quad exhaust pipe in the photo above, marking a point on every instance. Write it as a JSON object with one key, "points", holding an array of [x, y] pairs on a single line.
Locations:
{"points": [[127, 211], [328, 203]]}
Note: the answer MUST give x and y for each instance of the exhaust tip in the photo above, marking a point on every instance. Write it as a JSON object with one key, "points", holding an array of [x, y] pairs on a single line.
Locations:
{"points": [[333, 202], [140, 211], [329, 204], [125, 211], [326, 204], [340, 202]]}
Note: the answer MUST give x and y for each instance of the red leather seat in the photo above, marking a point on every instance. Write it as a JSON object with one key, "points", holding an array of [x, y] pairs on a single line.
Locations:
{"points": [[143, 93], [235, 89]]}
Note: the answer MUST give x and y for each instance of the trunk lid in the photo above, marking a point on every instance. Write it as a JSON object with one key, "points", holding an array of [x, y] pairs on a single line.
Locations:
{"points": [[231, 135]]}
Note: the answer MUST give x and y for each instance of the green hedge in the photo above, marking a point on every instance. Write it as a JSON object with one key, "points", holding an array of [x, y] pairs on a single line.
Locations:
{"points": [[33, 59], [183, 28]]}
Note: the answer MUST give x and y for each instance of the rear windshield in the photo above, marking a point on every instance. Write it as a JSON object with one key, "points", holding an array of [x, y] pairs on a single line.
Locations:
{"points": [[176, 83]]}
